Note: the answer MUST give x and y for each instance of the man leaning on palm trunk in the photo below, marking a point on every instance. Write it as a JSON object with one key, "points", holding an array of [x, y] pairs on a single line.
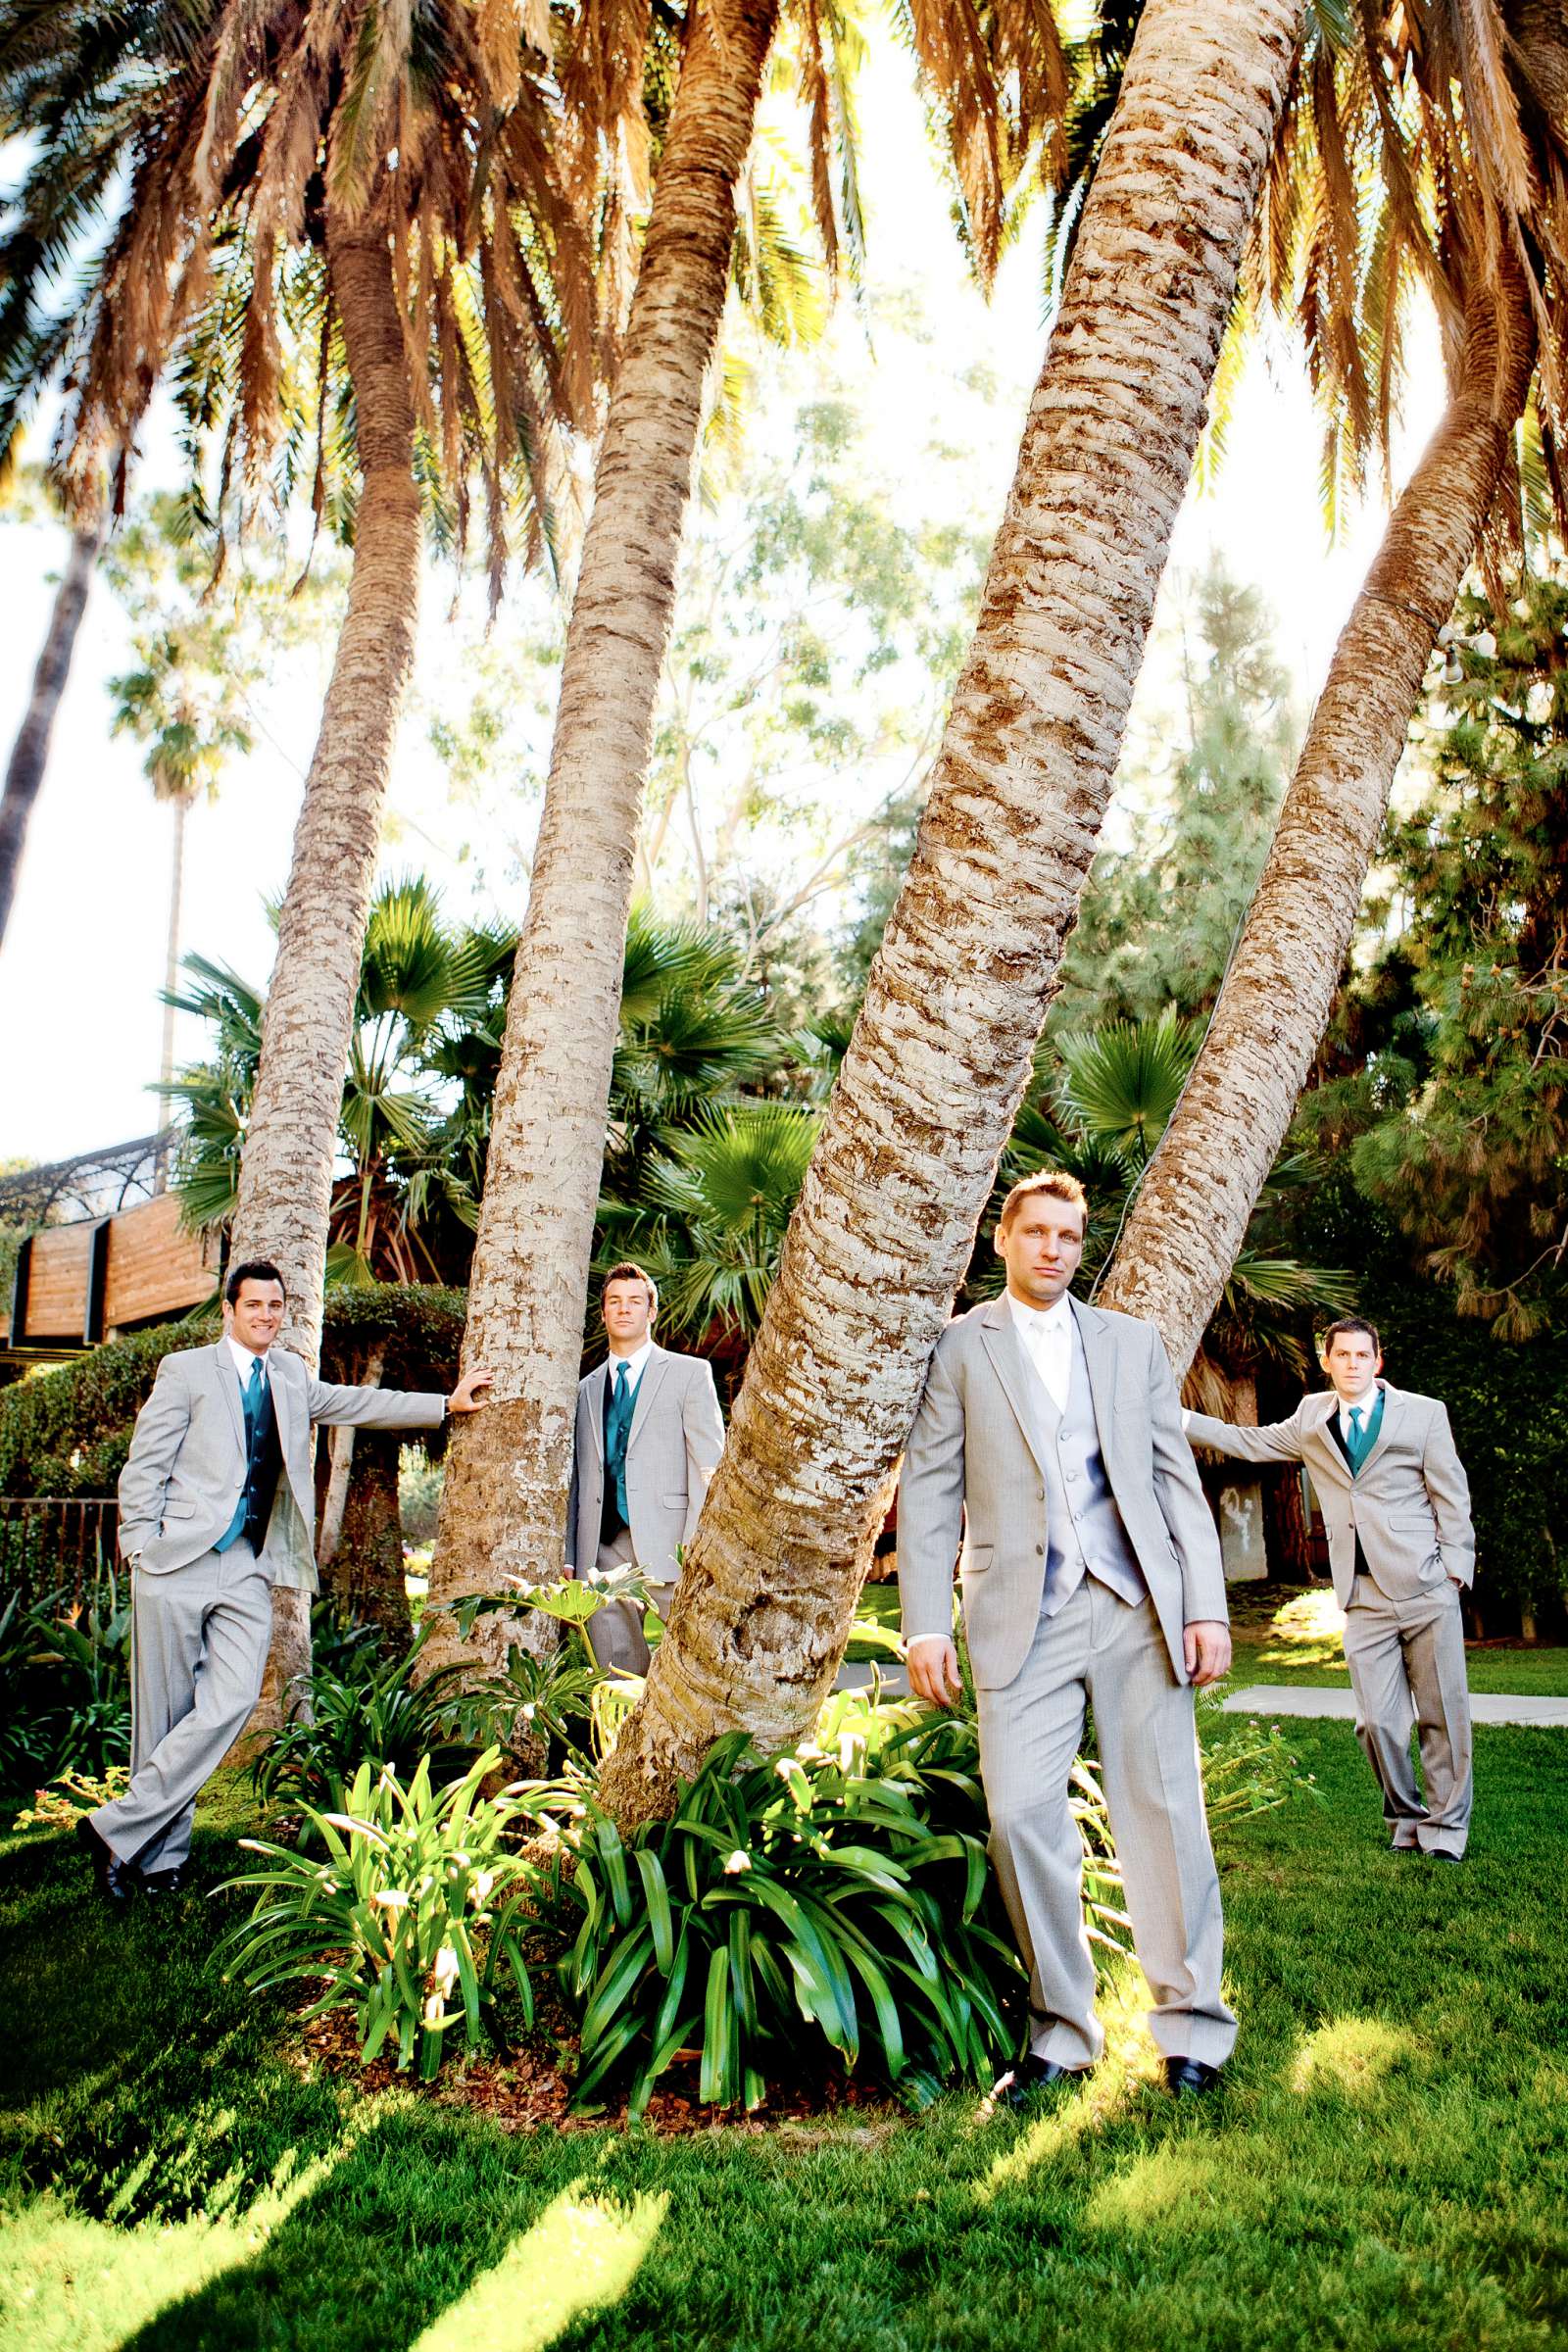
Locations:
{"points": [[1048, 1438], [217, 1506], [1397, 1506]]}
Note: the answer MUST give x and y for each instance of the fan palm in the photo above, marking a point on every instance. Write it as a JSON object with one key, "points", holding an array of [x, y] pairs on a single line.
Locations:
{"points": [[717, 1205], [429, 998], [1100, 1100], [30, 753]]}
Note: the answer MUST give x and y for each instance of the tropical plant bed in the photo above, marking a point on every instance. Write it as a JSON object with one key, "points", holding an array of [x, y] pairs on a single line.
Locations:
{"points": [[529, 2087]]}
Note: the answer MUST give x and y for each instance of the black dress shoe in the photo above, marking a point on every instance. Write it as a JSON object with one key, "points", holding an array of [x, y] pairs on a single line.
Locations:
{"points": [[116, 1878], [1190, 2076], [1022, 2083], [1437, 1855], [164, 1882]]}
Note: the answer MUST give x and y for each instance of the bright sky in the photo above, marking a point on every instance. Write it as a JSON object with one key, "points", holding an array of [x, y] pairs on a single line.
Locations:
{"points": [[80, 1024]]}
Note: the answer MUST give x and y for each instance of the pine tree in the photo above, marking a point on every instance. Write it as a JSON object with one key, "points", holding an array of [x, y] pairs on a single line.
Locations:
{"points": [[1157, 919], [1459, 1108]]}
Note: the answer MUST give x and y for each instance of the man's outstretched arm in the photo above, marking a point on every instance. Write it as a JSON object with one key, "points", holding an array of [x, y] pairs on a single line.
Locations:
{"points": [[930, 1529]]}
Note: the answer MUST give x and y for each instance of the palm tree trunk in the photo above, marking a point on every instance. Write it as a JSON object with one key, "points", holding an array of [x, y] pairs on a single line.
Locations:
{"points": [[503, 1502], [29, 754], [942, 1049], [1200, 1190], [335, 1499], [285, 1183]]}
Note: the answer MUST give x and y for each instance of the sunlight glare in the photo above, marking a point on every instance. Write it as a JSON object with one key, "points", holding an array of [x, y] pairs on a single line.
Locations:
{"points": [[580, 2255]]}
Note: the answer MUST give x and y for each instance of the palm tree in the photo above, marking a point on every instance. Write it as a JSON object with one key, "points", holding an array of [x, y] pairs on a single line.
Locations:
{"points": [[409, 1135], [340, 227], [1492, 173], [501, 1509], [29, 754], [942, 1045], [370, 189], [716, 1203]]}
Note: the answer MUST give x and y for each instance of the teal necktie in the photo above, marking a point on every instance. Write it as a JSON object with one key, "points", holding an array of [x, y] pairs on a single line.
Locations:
{"points": [[616, 1433], [251, 1399], [1356, 1440]]}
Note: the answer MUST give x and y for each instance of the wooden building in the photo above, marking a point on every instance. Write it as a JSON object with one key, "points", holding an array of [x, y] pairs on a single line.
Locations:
{"points": [[95, 1276]]}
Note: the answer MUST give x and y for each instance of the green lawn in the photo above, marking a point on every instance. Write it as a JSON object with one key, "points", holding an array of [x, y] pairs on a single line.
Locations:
{"points": [[1387, 2168], [1282, 1636]]}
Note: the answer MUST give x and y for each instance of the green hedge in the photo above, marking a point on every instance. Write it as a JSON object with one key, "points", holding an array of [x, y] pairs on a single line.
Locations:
{"points": [[67, 1431]]}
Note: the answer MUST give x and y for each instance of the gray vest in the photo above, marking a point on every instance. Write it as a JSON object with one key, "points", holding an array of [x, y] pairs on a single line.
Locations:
{"points": [[1084, 1530]]}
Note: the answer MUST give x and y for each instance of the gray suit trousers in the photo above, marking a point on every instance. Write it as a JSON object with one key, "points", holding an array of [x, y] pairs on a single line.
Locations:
{"points": [[616, 1632], [199, 1642], [1406, 1663], [1113, 1655]]}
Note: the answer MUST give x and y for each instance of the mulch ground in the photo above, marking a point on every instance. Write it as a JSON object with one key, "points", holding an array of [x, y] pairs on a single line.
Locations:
{"points": [[527, 2088]]}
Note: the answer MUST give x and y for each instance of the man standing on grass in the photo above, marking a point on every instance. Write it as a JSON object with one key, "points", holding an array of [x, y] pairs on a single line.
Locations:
{"points": [[1050, 1438], [1397, 1506], [648, 1440], [216, 1504]]}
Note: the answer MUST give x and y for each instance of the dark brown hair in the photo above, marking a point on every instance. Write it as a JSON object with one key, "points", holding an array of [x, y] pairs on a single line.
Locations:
{"points": [[627, 1273], [253, 1269], [1343, 1328]]}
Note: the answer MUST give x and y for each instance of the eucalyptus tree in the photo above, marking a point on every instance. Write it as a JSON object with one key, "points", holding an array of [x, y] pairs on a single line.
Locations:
{"points": [[1463, 113], [944, 1043], [202, 650], [503, 1507]]}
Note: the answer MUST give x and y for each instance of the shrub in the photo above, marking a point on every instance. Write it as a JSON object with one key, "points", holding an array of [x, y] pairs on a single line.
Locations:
{"points": [[416, 1901], [65, 1686], [363, 1713], [804, 1897]]}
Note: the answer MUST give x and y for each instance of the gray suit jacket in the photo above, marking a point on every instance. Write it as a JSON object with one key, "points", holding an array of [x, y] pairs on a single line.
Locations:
{"points": [[971, 1467], [677, 1435], [179, 1488], [1411, 1505]]}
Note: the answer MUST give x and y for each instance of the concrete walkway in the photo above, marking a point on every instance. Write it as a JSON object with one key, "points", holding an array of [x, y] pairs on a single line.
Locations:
{"points": [[1486, 1706]]}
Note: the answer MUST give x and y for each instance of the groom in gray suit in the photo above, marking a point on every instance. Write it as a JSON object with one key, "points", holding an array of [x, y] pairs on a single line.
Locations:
{"points": [[217, 1506], [1397, 1506], [648, 1438], [1050, 1437]]}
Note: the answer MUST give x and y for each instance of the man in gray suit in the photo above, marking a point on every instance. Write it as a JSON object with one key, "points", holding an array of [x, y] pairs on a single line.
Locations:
{"points": [[1050, 1437], [1397, 1506], [648, 1439], [217, 1506]]}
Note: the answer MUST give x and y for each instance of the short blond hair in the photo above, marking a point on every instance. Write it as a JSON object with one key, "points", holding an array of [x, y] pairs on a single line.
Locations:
{"points": [[1054, 1183]]}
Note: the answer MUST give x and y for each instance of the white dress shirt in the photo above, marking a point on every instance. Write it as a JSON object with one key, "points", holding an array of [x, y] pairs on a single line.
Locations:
{"points": [[242, 1359], [1047, 1336], [1046, 1333], [1364, 1405], [636, 1365]]}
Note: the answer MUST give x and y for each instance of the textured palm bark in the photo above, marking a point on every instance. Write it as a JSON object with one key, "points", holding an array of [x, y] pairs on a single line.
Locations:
{"points": [[503, 1507], [285, 1184], [1192, 1210], [942, 1049], [29, 754]]}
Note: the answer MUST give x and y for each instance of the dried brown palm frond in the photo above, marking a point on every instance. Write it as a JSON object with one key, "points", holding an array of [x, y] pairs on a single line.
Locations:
{"points": [[233, 129], [1426, 152]]}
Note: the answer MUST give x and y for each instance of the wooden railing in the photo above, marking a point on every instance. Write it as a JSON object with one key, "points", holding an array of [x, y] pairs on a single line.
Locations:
{"points": [[51, 1543]]}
